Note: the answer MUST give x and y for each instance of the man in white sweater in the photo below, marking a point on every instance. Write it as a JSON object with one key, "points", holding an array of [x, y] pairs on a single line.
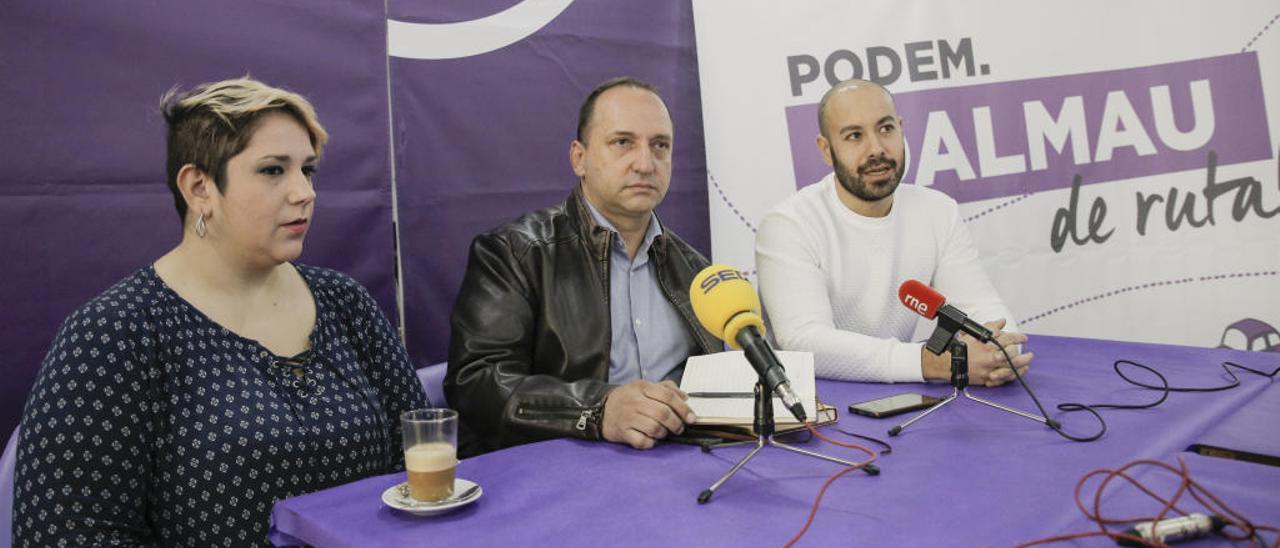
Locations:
{"points": [[832, 256]]}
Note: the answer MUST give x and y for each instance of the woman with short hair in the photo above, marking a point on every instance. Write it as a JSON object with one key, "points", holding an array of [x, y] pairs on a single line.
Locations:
{"points": [[179, 405]]}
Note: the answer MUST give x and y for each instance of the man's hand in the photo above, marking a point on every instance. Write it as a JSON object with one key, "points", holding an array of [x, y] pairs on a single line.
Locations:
{"points": [[640, 413], [987, 365]]}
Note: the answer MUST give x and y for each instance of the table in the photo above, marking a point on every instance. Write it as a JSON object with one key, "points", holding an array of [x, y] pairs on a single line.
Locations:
{"points": [[1251, 432], [967, 474]]}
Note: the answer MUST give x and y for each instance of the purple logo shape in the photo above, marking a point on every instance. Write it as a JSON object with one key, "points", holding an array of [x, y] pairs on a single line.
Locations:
{"points": [[1251, 334]]}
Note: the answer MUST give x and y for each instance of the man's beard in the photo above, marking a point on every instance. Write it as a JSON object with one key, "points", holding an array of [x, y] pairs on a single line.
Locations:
{"points": [[856, 185]]}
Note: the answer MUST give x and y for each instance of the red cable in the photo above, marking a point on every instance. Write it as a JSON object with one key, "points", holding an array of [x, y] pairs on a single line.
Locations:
{"points": [[1208, 500], [817, 501], [1186, 485]]}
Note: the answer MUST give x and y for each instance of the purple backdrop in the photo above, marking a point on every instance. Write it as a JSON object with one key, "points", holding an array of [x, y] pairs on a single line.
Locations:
{"points": [[82, 196], [482, 139], [478, 140]]}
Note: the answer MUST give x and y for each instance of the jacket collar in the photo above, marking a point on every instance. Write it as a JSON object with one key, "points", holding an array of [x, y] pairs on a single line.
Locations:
{"points": [[600, 237]]}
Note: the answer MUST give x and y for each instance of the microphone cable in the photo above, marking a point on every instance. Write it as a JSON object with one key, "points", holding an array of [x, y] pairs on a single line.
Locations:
{"points": [[817, 501], [1219, 511], [1092, 408], [887, 448]]}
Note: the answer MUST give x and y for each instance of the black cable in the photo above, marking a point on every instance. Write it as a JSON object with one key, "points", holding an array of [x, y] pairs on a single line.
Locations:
{"points": [[1235, 381], [887, 448], [1053, 424], [1164, 388]]}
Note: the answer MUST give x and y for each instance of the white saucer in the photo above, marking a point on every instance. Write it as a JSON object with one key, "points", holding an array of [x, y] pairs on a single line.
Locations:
{"points": [[400, 500]]}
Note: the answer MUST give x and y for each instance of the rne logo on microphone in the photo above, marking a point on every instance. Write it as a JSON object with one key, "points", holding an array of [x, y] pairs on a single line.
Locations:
{"points": [[721, 276], [915, 304]]}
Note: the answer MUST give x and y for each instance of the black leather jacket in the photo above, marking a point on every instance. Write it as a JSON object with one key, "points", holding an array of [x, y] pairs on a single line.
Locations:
{"points": [[529, 349]]}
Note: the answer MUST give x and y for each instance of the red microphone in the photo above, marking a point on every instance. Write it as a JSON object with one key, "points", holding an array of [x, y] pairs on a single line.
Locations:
{"points": [[920, 298], [927, 302]]}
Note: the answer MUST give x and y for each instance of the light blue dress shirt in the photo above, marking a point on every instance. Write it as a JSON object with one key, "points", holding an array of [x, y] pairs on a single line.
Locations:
{"points": [[650, 340]]}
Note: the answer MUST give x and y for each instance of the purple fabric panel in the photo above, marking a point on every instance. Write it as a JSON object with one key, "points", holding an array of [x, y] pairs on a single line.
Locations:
{"points": [[1240, 133], [82, 196], [447, 11], [946, 472], [481, 140]]}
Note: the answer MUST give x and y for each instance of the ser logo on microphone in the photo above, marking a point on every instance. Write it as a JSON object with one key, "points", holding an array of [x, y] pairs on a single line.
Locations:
{"points": [[722, 276]]}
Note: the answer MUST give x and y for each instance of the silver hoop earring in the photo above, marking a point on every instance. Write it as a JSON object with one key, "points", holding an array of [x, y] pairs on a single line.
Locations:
{"points": [[201, 228]]}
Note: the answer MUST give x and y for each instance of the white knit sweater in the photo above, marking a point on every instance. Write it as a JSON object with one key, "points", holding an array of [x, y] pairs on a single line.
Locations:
{"points": [[829, 278]]}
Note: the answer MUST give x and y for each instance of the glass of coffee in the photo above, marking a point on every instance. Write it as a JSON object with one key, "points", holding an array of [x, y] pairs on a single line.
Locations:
{"points": [[430, 452]]}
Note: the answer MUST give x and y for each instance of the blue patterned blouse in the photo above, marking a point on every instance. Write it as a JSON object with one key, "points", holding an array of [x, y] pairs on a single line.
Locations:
{"points": [[151, 424]]}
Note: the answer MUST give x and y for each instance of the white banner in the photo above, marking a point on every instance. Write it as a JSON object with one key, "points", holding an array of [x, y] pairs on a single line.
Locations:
{"points": [[1114, 162]]}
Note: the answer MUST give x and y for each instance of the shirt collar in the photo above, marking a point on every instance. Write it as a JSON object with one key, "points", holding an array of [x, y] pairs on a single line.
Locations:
{"points": [[654, 230]]}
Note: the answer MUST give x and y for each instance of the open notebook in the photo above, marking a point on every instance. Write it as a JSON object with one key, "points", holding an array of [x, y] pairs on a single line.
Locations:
{"points": [[720, 388]]}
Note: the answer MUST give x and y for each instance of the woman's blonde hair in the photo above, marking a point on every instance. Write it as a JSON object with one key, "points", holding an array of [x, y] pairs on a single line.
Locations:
{"points": [[213, 122]]}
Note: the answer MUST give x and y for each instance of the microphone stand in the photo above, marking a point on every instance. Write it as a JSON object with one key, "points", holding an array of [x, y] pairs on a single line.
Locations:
{"points": [[959, 385], [764, 427]]}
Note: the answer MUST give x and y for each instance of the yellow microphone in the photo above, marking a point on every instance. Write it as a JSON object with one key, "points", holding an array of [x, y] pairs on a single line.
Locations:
{"points": [[729, 308], [725, 303]]}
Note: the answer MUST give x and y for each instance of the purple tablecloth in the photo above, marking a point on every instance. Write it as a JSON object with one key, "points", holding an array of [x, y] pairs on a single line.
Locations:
{"points": [[967, 474], [1252, 489], [1253, 428]]}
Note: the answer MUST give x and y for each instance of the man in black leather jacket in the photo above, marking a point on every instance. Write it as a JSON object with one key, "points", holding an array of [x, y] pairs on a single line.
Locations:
{"points": [[548, 339]]}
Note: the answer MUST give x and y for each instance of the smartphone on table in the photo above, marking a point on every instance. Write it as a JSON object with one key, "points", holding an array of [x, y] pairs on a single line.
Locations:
{"points": [[893, 405]]}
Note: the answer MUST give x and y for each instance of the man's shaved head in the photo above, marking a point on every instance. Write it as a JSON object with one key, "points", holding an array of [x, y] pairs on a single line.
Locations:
{"points": [[860, 137], [842, 87]]}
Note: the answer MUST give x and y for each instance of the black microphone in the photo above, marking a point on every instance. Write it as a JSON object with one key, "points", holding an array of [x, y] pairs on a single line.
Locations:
{"points": [[923, 300], [727, 305], [766, 364]]}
